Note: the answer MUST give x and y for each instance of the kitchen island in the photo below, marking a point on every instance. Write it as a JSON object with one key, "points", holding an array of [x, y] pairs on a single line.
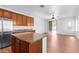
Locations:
{"points": [[27, 42]]}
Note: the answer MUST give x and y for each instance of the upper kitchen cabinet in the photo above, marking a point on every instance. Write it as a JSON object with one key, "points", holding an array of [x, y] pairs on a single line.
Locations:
{"points": [[24, 20], [1, 12], [27, 21], [17, 19], [14, 19], [7, 14], [20, 20], [30, 21]]}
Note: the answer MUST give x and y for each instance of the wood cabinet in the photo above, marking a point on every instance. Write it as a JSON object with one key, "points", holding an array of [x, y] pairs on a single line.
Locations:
{"points": [[20, 20], [17, 19], [20, 46], [15, 47], [6, 14], [36, 47], [24, 47], [1, 12], [24, 20], [14, 19], [30, 21]]}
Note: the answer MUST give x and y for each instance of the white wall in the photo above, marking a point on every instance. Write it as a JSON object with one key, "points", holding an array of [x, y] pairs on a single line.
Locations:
{"points": [[63, 27], [39, 24], [77, 21], [77, 27], [46, 22]]}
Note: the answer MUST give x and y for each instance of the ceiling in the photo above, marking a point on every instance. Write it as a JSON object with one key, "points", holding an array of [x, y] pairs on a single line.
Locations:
{"points": [[47, 9], [60, 10], [67, 10]]}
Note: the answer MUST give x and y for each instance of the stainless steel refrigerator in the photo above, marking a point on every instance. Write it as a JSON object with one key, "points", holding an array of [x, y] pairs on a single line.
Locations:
{"points": [[6, 29]]}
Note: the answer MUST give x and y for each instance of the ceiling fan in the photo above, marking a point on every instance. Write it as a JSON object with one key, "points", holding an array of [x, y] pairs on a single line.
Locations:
{"points": [[53, 16]]}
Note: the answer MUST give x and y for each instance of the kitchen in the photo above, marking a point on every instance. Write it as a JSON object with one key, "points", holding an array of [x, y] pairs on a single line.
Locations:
{"points": [[13, 23]]}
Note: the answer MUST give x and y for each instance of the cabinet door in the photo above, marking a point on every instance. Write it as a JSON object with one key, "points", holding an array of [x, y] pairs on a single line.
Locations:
{"points": [[28, 21], [14, 18], [36, 47], [6, 14], [20, 20], [24, 47], [13, 48], [15, 45], [24, 21], [1, 12]]}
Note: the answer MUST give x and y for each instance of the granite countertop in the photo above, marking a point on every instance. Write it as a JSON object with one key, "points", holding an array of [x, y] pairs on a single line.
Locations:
{"points": [[29, 37]]}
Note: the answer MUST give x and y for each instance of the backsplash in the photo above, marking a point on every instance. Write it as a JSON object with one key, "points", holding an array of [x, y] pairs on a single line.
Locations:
{"points": [[22, 27]]}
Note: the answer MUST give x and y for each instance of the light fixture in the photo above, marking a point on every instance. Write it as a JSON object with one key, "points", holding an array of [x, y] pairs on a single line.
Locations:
{"points": [[42, 6], [53, 18]]}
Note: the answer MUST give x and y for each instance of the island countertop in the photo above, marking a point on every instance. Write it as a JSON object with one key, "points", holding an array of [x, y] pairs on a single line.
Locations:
{"points": [[29, 37]]}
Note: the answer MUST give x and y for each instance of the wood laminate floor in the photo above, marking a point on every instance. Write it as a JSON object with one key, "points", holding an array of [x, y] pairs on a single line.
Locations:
{"points": [[57, 44], [6, 50], [62, 43]]}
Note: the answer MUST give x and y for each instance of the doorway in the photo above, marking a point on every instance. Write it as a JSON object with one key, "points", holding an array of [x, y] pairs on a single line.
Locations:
{"points": [[52, 26]]}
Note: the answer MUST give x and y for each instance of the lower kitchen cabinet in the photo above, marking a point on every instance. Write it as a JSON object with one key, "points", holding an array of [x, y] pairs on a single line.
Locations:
{"points": [[15, 47], [20, 46], [36, 47], [24, 47]]}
